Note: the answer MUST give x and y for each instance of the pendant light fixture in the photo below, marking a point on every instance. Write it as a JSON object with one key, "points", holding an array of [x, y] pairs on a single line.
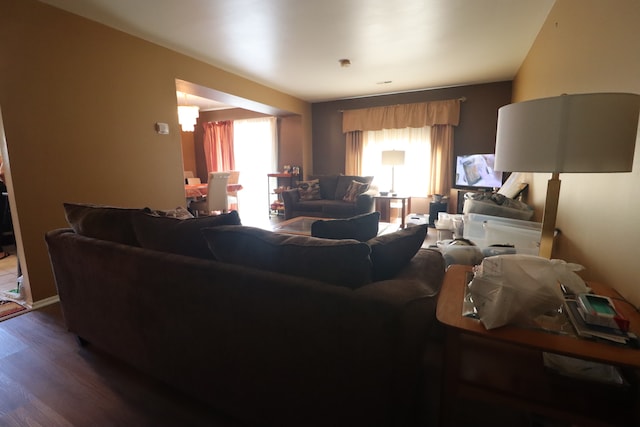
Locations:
{"points": [[187, 117]]}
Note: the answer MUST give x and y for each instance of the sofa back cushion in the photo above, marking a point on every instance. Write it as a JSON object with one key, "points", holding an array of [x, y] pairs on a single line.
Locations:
{"points": [[344, 181], [179, 236], [360, 227], [328, 185], [391, 252], [102, 222], [340, 262]]}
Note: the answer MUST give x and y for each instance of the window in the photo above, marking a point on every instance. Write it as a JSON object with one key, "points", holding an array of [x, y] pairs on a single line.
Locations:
{"points": [[412, 178]]}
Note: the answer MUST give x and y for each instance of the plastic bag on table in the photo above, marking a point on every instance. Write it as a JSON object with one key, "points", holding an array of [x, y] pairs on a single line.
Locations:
{"points": [[511, 288]]}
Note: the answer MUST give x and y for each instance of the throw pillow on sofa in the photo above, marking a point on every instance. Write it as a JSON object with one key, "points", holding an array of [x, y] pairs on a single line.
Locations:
{"points": [[309, 190], [102, 222], [360, 227], [391, 252], [340, 262], [344, 181], [179, 236], [355, 189]]}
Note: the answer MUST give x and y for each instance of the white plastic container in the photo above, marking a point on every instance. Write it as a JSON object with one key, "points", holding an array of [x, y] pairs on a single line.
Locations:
{"points": [[526, 240], [487, 230]]}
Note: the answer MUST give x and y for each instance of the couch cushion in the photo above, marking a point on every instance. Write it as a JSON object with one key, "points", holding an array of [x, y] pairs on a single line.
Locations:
{"points": [[339, 209], [340, 262], [328, 185], [360, 227], [310, 206], [179, 236], [391, 252], [355, 189], [309, 190], [102, 222], [344, 181]]}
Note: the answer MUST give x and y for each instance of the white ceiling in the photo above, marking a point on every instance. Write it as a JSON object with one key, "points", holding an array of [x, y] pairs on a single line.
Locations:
{"points": [[294, 45]]}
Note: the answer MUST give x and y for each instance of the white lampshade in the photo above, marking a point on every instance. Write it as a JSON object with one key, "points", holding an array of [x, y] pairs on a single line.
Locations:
{"points": [[393, 158], [568, 133], [188, 117]]}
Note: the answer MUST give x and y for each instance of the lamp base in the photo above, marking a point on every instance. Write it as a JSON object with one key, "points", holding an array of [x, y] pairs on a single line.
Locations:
{"points": [[549, 216]]}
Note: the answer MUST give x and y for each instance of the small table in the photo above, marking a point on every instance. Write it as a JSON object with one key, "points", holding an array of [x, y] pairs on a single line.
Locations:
{"points": [[504, 365], [383, 205]]}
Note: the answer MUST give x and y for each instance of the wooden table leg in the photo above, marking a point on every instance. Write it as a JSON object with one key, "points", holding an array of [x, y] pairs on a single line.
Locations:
{"points": [[404, 213]]}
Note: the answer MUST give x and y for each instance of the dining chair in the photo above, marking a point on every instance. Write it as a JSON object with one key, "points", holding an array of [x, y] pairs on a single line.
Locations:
{"points": [[216, 200], [232, 193]]}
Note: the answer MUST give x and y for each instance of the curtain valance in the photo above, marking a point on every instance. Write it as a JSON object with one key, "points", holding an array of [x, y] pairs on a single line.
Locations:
{"points": [[403, 116]]}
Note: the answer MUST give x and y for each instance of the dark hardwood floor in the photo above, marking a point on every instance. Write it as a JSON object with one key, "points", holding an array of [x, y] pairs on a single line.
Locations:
{"points": [[47, 379]]}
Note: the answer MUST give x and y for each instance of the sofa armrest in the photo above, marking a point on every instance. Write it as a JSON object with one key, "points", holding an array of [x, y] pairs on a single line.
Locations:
{"points": [[365, 201], [290, 198], [426, 267]]}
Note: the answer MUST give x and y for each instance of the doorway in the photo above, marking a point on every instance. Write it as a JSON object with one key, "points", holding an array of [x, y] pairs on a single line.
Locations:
{"points": [[255, 151], [254, 160], [10, 275]]}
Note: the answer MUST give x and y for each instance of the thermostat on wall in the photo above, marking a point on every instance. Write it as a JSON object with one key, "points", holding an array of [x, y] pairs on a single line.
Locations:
{"points": [[162, 128]]}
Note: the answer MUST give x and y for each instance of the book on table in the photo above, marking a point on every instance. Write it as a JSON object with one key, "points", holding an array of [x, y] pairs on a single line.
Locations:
{"points": [[586, 330]]}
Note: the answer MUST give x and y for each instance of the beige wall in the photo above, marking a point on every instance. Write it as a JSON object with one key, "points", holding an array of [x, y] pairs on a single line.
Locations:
{"points": [[79, 103], [290, 150], [591, 46], [188, 152]]}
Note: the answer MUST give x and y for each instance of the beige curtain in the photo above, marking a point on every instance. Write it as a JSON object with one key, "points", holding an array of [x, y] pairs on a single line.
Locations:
{"points": [[441, 159], [403, 116], [441, 116], [353, 155]]}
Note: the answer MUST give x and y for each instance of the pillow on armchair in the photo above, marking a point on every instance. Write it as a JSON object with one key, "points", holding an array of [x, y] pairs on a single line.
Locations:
{"points": [[344, 181], [360, 227], [355, 188]]}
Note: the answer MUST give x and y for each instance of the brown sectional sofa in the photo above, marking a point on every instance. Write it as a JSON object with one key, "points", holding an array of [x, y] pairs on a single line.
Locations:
{"points": [[267, 348], [330, 203]]}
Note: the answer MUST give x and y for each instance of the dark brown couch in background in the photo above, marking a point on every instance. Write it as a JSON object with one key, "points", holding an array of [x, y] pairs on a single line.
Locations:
{"points": [[265, 347], [330, 203]]}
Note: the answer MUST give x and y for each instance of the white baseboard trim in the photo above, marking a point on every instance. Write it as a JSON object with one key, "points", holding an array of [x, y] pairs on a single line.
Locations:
{"points": [[44, 302]]}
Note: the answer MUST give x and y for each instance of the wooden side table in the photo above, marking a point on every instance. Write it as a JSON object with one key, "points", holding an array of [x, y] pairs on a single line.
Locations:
{"points": [[504, 366], [383, 205]]}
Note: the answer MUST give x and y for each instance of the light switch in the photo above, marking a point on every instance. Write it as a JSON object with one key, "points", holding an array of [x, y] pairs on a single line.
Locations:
{"points": [[162, 128]]}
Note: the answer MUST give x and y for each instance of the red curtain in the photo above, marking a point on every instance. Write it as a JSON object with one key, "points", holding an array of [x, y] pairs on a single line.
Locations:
{"points": [[218, 146]]}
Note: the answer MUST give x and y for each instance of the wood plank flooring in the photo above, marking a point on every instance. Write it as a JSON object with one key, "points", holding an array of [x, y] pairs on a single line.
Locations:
{"points": [[47, 379]]}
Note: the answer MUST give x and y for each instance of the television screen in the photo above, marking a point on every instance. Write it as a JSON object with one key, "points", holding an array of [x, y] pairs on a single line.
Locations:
{"points": [[476, 170]]}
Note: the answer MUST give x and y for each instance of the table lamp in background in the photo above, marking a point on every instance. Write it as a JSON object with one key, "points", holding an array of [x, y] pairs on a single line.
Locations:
{"points": [[393, 158]]}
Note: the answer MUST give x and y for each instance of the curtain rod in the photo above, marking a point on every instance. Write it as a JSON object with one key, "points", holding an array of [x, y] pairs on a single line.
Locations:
{"points": [[461, 99]]}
